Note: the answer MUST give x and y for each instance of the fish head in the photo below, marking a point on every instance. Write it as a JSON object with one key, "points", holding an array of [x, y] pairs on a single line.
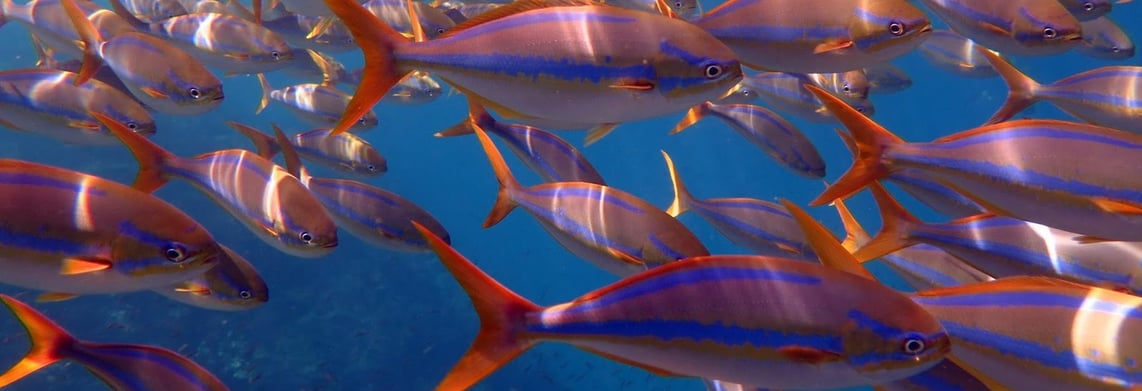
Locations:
{"points": [[893, 339], [1087, 9], [889, 28], [1046, 23], [853, 84], [371, 162], [367, 121], [434, 21], [164, 244], [192, 86], [304, 227], [129, 113], [267, 47], [234, 284], [1102, 38], [417, 88], [686, 9], [695, 64]]}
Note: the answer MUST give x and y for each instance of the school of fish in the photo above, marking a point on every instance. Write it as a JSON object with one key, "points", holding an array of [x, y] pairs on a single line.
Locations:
{"points": [[1032, 282]]}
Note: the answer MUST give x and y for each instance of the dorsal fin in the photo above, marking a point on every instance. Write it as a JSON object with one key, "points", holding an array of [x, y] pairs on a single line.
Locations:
{"points": [[292, 161], [414, 22], [327, 71], [665, 9], [516, 7], [126, 14]]}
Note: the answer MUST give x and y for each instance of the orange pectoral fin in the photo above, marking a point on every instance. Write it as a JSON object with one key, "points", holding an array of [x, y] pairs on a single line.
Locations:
{"points": [[636, 85], [84, 125], [808, 355], [193, 287], [1116, 206], [154, 93], [51, 297], [994, 28], [74, 266], [626, 258], [831, 46]]}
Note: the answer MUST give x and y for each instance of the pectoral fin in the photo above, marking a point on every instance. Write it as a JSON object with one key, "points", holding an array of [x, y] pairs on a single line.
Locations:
{"points": [[831, 46], [808, 354], [154, 93], [74, 266], [193, 287], [1116, 206]]}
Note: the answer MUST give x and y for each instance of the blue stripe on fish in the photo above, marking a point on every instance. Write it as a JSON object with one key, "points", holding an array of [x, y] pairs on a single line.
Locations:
{"points": [[1092, 97], [1024, 176], [133, 354], [592, 192], [1129, 72], [1028, 257], [8, 179], [1030, 299], [705, 210], [574, 228], [669, 330]]}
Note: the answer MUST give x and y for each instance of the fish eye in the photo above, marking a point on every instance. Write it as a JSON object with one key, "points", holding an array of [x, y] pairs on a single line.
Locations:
{"points": [[306, 237], [132, 125], [713, 71], [678, 4], [914, 345], [896, 28], [1115, 49], [245, 294], [371, 167], [175, 253], [194, 93], [1088, 6], [440, 30], [846, 88], [1049, 32], [276, 55]]}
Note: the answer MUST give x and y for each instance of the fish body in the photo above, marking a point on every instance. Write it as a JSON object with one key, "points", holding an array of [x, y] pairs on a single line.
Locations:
{"points": [[765, 129], [152, 11], [1083, 338], [295, 29], [786, 93], [1017, 27], [346, 152], [685, 9], [228, 43], [612, 65], [119, 366], [685, 319], [50, 23], [763, 227], [953, 53], [377, 216], [233, 285], [543, 152], [307, 67], [612, 229], [318, 105], [816, 36], [395, 14], [1105, 39], [71, 233], [47, 102], [270, 202], [934, 194], [416, 89]]}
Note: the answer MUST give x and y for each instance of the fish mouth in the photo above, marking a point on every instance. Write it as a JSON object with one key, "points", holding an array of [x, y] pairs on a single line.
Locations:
{"points": [[219, 97], [331, 244], [1074, 37]]}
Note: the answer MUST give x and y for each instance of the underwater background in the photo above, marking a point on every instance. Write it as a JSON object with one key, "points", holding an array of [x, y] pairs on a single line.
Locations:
{"points": [[365, 318]]}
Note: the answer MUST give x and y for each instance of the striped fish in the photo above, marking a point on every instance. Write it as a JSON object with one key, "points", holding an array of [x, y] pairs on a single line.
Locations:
{"points": [[1058, 185], [69, 233], [1013, 27], [47, 102], [786, 93], [769, 322], [270, 202], [950, 52], [588, 81], [1085, 10], [765, 129], [125, 367], [232, 285], [934, 194], [47, 20], [315, 104], [1105, 39], [346, 152], [614, 230]]}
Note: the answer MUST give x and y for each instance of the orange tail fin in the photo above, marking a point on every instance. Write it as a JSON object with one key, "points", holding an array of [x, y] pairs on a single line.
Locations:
{"points": [[477, 114], [152, 158], [47, 339], [1021, 88], [508, 183], [692, 117], [894, 231], [682, 196], [91, 41], [378, 42], [502, 312], [830, 251], [870, 140]]}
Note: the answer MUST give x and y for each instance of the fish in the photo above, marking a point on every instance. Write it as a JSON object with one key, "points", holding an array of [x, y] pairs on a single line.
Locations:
{"points": [[614, 230], [808, 327], [763, 227], [740, 94], [270, 202], [151, 11], [543, 152], [461, 12], [104, 74], [1006, 247], [1083, 337], [1087, 10], [68, 233], [1058, 185], [785, 92], [1104, 39], [47, 20], [852, 84], [228, 43], [320, 66], [685, 9], [588, 81], [346, 153], [120, 366], [886, 79], [47, 102], [1107, 96], [778, 138], [415, 89], [377, 216], [160, 75], [296, 30], [1015, 28], [951, 52], [315, 104], [232, 285], [395, 13], [935, 195], [816, 36]]}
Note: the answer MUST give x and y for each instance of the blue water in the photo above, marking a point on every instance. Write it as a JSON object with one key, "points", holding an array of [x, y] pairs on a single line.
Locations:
{"points": [[369, 319]]}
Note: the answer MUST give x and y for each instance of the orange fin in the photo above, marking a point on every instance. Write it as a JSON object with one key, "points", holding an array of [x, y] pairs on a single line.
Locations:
{"points": [[1021, 89], [10, 125], [154, 93], [91, 41], [831, 253], [665, 10], [516, 7], [625, 257], [831, 46], [808, 355], [682, 196], [855, 235], [418, 34], [501, 311], [47, 341], [378, 43], [151, 157], [869, 137], [83, 125], [636, 85], [692, 117], [193, 287], [265, 145], [292, 160], [508, 184], [266, 89], [73, 266], [52, 297], [321, 27], [598, 132], [1087, 239], [994, 28], [1116, 206], [636, 364], [895, 230]]}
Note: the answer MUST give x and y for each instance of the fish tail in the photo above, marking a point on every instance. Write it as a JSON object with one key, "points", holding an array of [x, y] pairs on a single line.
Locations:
{"points": [[502, 314], [91, 41], [895, 229], [267, 147], [477, 114], [378, 43], [508, 184], [692, 117], [869, 140], [855, 235], [1021, 88], [152, 158], [682, 196], [47, 340], [830, 251], [266, 88]]}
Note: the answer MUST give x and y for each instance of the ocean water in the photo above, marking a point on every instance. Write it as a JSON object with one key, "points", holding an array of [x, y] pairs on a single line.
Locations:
{"points": [[365, 318]]}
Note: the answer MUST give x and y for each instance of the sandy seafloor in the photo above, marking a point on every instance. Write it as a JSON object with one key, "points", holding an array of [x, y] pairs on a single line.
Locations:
{"points": [[369, 319]]}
